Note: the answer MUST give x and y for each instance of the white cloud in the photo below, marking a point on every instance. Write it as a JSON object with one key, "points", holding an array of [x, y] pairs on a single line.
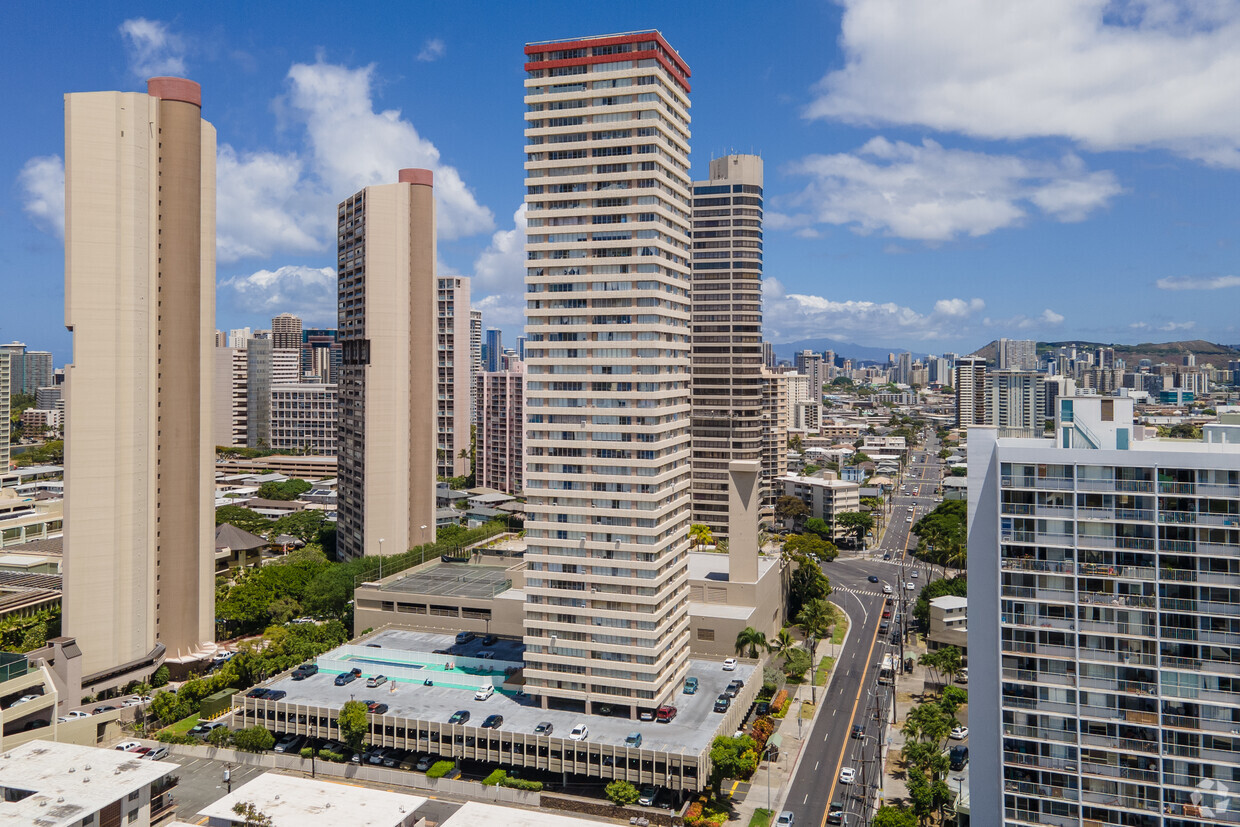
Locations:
{"points": [[1106, 75], [1197, 282], [432, 49], [265, 205], [1171, 327], [1047, 318], [308, 292], [153, 50], [498, 286], [42, 181], [791, 316], [352, 145], [930, 193]]}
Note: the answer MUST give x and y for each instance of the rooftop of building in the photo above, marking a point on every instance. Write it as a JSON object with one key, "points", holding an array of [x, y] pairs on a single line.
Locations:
{"points": [[819, 481], [950, 602], [290, 801], [477, 814], [69, 782], [690, 733], [454, 580], [713, 566]]}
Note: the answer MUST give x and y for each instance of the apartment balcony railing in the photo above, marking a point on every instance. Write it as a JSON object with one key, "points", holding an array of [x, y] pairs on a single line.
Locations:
{"points": [[1042, 790], [1149, 776], [1052, 566]]}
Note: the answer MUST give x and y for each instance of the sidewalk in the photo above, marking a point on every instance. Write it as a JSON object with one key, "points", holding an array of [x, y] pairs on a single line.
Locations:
{"points": [[909, 689], [793, 731]]}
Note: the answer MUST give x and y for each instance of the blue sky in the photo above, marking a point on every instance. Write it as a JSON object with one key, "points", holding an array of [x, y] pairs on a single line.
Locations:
{"points": [[937, 174]]}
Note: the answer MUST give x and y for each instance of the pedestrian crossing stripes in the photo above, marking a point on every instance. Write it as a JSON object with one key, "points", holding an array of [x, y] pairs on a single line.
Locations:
{"points": [[861, 592]]}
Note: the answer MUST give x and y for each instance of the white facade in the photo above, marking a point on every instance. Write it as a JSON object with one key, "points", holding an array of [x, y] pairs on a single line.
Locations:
{"points": [[1106, 694], [304, 418], [826, 498], [454, 361], [607, 385]]}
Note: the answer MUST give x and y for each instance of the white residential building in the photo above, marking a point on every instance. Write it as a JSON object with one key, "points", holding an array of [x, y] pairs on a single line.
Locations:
{"points": [[1106, 693], [826, 498]]}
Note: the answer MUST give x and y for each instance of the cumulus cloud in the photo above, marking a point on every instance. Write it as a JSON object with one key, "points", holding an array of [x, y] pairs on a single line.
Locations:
{"points": [[790, 316], [1197, 282], [43, 193], [1047, 318], [1171, 327], [308, 292], [152, 49], [1106, 75], [432, 49], [928, 192], [266, 205], [498, 286]]}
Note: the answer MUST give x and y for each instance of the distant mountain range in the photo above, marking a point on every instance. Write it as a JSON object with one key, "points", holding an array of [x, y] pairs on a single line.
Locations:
{"points": [[846, 350]]}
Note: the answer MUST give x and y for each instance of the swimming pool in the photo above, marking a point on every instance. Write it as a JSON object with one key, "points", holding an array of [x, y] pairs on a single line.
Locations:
{"points": [[418, 667]]}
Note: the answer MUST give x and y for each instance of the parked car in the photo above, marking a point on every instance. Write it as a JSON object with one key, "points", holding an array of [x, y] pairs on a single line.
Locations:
{"points": [[963, 677], [645, 715], [493, 722], [464, 637], [345, 678], [579, 733], [959, 733], [128, 746], [786, 819], [289, 743], [376, 708], [459, 717], [958, 756], [25, 699], [424, 763], [848, 775], [157, 753], [886, 588], [858, 731], [276, 694], [375, 680], [646, 799], [203, 730], [489, 640], [722, 703], [884, 626], [544, 728], [484, 693], [633, 740], [691, 685], [762, 708], [729, 665], [304, 671], [380, 755], [665, 714], [257, 692]]}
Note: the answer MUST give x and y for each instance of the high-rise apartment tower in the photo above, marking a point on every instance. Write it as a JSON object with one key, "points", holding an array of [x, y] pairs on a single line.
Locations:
{"points": [[286, 332], [140, 300], [454, 391], [387, 389], [727, 330], [607, 386]]}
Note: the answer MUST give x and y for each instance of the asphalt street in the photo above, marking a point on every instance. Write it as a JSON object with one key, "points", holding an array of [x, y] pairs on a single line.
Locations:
{"points": [[855, 697]]}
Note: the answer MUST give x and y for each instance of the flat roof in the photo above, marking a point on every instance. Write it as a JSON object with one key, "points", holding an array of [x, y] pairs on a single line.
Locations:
{"points": [[477, 814], [453, 580], [950, 601], [713, 566], [290, 801], [70, 781], [696, 723]]}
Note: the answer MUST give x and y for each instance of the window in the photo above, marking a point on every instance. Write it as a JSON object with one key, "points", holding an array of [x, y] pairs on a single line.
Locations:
{"points": [[706, 634]]}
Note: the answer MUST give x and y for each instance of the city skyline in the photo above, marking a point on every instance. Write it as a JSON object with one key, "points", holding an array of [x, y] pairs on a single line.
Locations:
{"points": [[1076, 209]]}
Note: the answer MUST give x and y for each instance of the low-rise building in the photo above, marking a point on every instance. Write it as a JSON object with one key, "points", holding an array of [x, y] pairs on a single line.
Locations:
{"points": [[24, 518], [826, 498], [53, 784], [949, 623], [303, 418], [289, 801]]}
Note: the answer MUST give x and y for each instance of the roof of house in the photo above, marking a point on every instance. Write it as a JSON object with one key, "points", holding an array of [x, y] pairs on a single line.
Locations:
{"points": [[228, 535]]}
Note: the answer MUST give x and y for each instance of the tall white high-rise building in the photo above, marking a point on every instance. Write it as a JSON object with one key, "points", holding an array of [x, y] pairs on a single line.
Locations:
{"points": [[607, 387], [139, 457], [970, 385], [727, 330], [1107, 692], [1018, 354], [286, 332], [1016, 402]]}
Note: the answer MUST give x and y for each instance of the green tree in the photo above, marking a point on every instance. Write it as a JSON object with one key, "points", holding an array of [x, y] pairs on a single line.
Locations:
{"points": [[353, 723], [791, 508], [751, 639], [957, 586], [858, 458], [701, 535], [807, 581], [304, 525], [783, 643], [161, 676], [219, 737], [797, 664], [891, 816], [796, 443], [953, 698], [621, 793], [253, 739], [284, 490], [815, 619], [818, 527], [811, 545], [731, 757], [857, 523], [251, 816], [242, 518]]}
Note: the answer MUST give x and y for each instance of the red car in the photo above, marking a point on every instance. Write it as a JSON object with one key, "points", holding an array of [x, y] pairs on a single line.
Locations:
{"points": [[665, 714]]}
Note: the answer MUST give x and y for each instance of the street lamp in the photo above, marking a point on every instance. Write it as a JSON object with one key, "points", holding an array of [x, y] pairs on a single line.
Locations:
{"points": [[380, 558]]}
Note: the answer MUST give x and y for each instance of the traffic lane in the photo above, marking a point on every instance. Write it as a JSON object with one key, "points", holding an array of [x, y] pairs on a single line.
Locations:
{"points": [[824, 745]]}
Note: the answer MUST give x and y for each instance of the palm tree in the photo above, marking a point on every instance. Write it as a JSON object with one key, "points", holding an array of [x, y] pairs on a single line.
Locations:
{"points": [[783, 644], [815, 620], [751, 639], [701, 535]]}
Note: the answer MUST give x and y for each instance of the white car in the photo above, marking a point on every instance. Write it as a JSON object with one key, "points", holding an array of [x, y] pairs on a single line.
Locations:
{"points": [[484, 693], [137, 700], [157, 753], [916, 574], [729, 665], [72, 716], [128, 746], [886, 588], [579, 733], [847, 775], [959, 733], [909, 586]]}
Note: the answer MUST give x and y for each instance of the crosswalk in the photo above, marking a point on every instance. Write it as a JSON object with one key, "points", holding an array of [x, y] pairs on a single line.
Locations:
{"points": [[860, 592]]}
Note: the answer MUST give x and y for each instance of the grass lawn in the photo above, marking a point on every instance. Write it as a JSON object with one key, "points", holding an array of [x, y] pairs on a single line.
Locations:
{"points": [[184, 725], [841, 628], [807, 710], [761, 818], [823, 671]]}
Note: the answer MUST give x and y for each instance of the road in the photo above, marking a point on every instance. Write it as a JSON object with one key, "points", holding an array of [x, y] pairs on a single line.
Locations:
{"points": [[855, 697]]}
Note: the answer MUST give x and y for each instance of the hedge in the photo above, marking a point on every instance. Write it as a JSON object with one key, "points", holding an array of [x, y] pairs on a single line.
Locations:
{"points": [[440, 768], [494, 778], [522, 784]]}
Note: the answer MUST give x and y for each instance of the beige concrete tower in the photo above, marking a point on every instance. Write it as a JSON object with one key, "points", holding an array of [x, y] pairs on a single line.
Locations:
{"points": [[607, 385], [727, 330], [388, 379], [456, 392], [140, 301]]}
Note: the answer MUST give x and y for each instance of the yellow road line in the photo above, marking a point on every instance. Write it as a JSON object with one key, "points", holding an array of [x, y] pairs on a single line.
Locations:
{"points": [[861, 688]]}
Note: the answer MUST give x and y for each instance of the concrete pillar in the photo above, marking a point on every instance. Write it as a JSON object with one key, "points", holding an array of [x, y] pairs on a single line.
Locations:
{"points": [[744, 500]]}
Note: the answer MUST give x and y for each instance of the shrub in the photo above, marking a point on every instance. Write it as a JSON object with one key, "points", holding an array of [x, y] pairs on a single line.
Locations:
{"points": [[219, 737], [522, 784], [161, 676], [253, 739], [622, 793], [494, 778], [307, 752], [328, 755], [440, 768], [169, 737]]}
